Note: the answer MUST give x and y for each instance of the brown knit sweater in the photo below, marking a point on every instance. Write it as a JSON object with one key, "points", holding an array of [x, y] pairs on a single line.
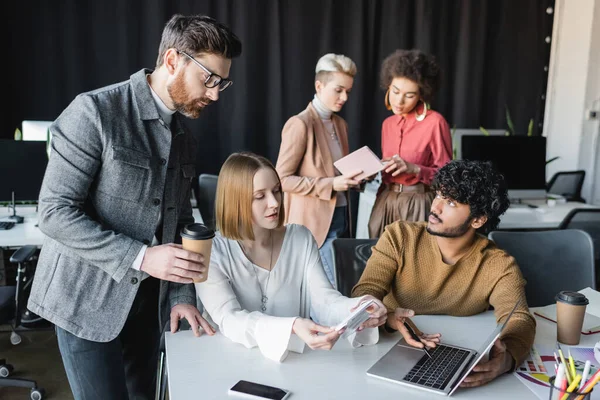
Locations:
{"points": [[406, 270]]}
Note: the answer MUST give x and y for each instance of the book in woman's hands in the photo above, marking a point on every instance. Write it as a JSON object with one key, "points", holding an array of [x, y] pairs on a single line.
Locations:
{"points": [[362, 159]]}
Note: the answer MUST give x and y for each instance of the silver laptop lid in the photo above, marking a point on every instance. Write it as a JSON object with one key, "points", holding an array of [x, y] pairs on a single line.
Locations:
{"points": [[483, 350]]}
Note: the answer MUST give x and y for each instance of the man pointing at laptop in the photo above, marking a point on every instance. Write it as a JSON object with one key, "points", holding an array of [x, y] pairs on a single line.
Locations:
{"points": [[445, 266]]}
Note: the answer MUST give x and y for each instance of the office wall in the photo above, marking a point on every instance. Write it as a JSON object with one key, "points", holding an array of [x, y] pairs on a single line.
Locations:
{"points": [[573, 86], [590, 139], [490, 53]]}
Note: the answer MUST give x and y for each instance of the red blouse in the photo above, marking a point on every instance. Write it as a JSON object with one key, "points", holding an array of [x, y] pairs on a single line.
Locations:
{"points": [[427, 143]]}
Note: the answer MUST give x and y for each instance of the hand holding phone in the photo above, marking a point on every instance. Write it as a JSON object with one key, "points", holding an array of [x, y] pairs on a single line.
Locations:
{"points": [[353, 321], [253, 390]]}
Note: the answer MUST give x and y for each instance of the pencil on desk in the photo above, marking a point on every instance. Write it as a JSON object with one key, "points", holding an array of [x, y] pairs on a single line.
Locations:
{"points": [[567, 369], [586, 372], [572, 386], [572, 365], [560, 380], [590, 384]]}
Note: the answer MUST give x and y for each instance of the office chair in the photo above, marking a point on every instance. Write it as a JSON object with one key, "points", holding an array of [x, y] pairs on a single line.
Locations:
{"points": [[588, 220], [550, 261], [567, 184], [351, 257], [207, 190], [12, 303]]}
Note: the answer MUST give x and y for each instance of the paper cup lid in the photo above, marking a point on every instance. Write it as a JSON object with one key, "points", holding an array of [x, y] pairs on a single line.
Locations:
{"points": [[197, 232], [574, 298]]}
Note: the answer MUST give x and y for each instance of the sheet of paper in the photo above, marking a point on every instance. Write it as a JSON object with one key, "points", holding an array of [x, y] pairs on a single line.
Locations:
{"points": [[591, 320], [538, 381]]}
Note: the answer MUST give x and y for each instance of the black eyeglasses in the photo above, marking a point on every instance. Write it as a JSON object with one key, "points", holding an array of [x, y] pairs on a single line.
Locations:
{"points": [[212, 80]]}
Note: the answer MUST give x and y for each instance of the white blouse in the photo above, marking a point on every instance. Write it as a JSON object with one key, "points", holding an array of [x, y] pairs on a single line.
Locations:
{"points": [[297, 284]]}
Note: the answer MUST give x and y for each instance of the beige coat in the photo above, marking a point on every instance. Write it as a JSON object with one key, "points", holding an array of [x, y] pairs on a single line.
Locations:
{"points": [[306, 169]]}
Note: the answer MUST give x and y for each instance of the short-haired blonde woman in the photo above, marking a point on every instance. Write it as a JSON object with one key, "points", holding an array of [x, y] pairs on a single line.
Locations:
{"points": [[315, 194], [265, 278]]}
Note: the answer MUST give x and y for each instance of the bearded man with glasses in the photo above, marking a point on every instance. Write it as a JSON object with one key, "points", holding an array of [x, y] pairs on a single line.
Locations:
{"points": [[114, 198]]}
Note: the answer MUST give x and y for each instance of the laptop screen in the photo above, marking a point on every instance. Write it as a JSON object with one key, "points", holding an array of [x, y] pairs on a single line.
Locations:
{"points": [[483, 350]]}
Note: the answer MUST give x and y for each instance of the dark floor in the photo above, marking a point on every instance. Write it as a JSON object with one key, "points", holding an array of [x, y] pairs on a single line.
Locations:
{"points": [[36, 357]]}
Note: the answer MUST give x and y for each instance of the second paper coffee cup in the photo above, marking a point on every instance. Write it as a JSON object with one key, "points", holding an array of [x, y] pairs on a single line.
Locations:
{"points": [[570, 310], [198, 239]]}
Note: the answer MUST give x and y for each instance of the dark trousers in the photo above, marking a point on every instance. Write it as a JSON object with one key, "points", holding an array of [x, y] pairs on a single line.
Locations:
{"points": [[124, 368]]}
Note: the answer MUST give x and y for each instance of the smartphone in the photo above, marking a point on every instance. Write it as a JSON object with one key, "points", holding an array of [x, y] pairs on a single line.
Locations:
{"points": [[253, 390], [355, 319]]}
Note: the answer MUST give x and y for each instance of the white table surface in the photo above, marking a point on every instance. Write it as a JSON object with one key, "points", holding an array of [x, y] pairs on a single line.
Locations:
{"points": [[28, 233], [23, 234], [543, 217], [206, 367], [516, 217]]}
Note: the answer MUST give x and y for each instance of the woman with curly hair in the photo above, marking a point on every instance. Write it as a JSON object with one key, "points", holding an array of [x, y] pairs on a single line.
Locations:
{"points": [[415, 141]]}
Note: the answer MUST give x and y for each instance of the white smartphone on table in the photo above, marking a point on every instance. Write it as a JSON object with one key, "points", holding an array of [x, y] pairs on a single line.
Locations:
{"points": [[253, 390], [353, 321]]}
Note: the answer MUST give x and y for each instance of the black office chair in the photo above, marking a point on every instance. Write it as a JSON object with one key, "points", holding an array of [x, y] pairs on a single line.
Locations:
{"points": [[588, 220], [550, 261], [207, 190], [567, 184], [12, 304], [351, 257]]}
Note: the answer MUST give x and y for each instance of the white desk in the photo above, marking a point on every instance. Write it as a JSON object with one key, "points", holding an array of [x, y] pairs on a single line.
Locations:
{"points": [[207, 367], [23, 234], [517, 218], [28, 233], [543, 217]]}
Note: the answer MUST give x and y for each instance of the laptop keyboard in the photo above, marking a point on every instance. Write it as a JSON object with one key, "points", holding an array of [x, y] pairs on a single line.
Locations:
{"points": [[6, 225], [437, 371]]}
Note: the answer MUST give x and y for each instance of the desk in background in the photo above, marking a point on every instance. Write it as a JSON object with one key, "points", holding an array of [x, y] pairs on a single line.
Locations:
{"points": [[23, 234], [516, 218], [28, 233], [543, 217], [206, 367]]}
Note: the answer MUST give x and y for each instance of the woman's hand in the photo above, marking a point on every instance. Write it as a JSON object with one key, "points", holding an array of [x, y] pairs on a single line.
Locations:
{"points": [[396, 321], [397, 166], [377, 311], [308, 331], [344, 182]]}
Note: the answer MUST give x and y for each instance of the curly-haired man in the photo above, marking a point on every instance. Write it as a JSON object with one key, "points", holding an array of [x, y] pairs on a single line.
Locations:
{"points": [[446, 266]]}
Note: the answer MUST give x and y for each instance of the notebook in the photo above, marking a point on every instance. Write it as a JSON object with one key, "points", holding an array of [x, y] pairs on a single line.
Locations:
{"points": [[363, 159], [591, 323]]}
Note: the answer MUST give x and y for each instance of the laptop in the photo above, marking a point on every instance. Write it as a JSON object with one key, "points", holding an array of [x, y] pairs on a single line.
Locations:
{"points": [[443, 373]]}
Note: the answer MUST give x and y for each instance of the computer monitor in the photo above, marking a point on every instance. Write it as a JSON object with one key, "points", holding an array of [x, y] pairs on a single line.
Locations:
{"points": [[459, 133], [521, 159], [35, 130], [22, 167]]}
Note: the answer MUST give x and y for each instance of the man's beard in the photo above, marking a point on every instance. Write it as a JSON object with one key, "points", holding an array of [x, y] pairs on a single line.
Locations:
{"points": [[453, 232], [179, 96]]}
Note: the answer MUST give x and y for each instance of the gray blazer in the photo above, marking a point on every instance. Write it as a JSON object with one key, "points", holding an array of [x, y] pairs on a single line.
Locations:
{"points": [[114, 167]]}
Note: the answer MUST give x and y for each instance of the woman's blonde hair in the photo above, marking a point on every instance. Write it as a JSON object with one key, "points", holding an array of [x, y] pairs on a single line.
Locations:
{"points": [[334, 63], [235, 192]]}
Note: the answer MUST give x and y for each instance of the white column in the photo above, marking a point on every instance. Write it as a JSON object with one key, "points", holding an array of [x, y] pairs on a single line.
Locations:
{"points": [[573, 85]]}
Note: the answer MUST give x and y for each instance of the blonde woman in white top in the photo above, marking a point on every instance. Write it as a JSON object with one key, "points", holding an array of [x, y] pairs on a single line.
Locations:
{"points": [[265, 278]]}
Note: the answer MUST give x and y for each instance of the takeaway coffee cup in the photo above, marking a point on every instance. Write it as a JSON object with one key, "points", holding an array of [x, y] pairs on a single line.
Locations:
{"points": [[198, 238], [570, 310]]}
